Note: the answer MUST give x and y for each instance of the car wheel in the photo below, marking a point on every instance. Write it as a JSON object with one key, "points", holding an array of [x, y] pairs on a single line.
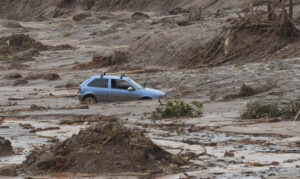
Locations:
{"points": [[145, 98], [89, 100]]}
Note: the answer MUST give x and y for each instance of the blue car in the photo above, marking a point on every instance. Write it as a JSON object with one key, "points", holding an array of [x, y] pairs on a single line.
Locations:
{"points": [[114, 88]]}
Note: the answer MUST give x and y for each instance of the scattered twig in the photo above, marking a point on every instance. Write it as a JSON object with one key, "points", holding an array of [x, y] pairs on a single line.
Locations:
{"points": [[296, 117]]}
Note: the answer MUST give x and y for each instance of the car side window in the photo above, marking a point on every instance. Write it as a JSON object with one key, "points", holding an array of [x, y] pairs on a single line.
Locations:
{"points": [[119, 84], [99, 83]]}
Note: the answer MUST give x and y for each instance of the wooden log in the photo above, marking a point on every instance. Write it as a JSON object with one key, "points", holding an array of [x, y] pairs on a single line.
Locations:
{"points": [[252, 8], [296, 117], [291, 9]]}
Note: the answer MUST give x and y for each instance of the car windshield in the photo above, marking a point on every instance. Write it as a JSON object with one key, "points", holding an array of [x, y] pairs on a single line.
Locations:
{"points": [[135, 84]]}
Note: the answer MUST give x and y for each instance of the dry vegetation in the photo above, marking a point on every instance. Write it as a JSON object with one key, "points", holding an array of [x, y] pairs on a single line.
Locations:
{"points": [[260, 109], [253, 37]]}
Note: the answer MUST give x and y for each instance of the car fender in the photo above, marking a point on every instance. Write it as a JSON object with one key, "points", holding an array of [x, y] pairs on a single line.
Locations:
{"points": [[90, 93]]}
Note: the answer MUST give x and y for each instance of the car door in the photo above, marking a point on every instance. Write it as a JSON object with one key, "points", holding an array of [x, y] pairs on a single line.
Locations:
{"points": [[99, 86], [120, 92]]}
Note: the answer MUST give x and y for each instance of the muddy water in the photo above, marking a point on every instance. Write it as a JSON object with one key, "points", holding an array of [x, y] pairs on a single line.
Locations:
{"points": [[23, 141], [201, 139]]}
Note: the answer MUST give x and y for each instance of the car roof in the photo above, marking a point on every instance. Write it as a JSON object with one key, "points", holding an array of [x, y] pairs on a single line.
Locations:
{"points": [[111, 77]]}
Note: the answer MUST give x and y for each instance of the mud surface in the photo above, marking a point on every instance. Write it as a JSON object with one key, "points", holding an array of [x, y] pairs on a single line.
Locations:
{"points": [[161, 42]]}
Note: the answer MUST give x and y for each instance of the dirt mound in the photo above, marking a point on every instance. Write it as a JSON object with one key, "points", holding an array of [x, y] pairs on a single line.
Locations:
{"points": [[19, 47], [108, 148], [19, 42], [5, 147], [105, 59]]}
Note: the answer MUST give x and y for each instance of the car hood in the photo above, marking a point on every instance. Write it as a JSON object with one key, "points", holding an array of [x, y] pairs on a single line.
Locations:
{"points": [[153, 91]]}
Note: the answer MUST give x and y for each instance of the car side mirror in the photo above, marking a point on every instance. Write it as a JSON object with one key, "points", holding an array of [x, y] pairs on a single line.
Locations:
{"points": [[130, 88]]}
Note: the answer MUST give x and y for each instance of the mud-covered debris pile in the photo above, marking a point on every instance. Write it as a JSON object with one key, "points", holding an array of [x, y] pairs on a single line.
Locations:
{"points": [[20, 42], [19, 47], [101, 149], [250, 38], [105, 59], [5, 147]]}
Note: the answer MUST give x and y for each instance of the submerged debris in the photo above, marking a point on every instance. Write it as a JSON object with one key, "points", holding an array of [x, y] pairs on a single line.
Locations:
{"points": [[108, 148], [13, 75], [20, 82], [51, 76], [5, 147]]}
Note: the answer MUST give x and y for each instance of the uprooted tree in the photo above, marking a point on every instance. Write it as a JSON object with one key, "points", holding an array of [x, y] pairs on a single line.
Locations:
{"points": [[254, 36]]}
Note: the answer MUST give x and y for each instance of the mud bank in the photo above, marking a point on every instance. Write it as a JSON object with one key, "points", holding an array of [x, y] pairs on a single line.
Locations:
{"points": [[38, 9]]}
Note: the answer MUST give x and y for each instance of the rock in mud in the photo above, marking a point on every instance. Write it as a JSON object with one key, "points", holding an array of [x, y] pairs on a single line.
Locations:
{"points": [[5, 147], [228, 154], [34, 76], [139, 16], [81, 15], [13, 75], [26, 126], [63, 47], [20, 82], [11, 24], [27, 54], [102, 148], [178, 10], [51, 76], [35, 107], [9, 170]]}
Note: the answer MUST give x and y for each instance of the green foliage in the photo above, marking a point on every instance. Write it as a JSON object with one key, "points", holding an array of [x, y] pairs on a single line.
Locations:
{"points": [[260, 109], [67, 34], [178, 109]]}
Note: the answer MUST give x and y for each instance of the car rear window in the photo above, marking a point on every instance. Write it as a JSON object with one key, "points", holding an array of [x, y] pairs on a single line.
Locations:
{"points": [[99, 83]]}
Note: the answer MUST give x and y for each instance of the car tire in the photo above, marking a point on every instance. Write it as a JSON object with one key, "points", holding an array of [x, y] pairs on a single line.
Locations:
{"points": [[89, 100], [146, 98]]}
